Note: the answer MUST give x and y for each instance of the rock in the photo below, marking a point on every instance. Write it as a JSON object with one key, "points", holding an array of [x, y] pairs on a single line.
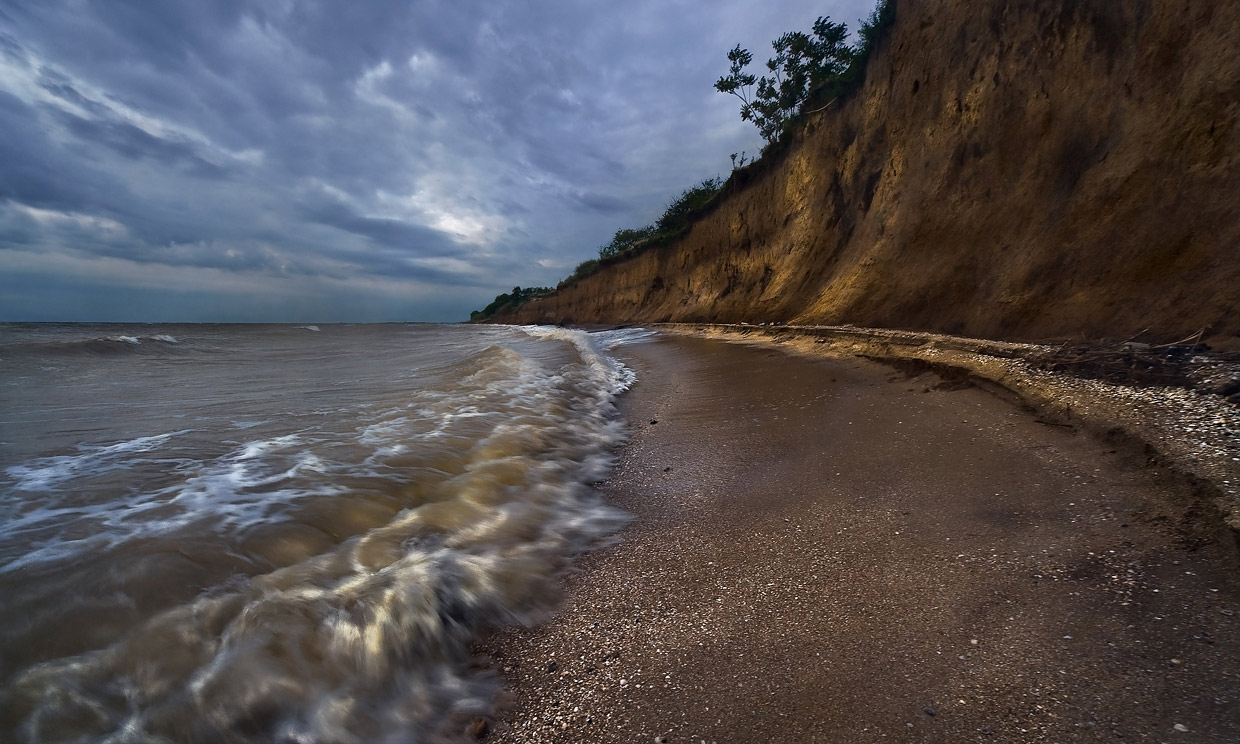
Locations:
{"points": [[552, 666], [477, 728]]}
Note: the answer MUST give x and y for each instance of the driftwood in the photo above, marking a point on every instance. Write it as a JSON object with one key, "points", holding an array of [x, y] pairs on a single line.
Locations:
{"points": [[1132, 363]]}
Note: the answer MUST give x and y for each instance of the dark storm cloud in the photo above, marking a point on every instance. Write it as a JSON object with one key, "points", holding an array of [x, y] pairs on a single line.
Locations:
{"points": [[416, 239], [61, 87], [602, 203], [38, 173], [8, 45], [459, 144], [132, 142]]}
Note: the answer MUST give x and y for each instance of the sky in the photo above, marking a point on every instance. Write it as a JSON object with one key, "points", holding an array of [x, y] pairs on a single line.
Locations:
{"points": [[355, 160]]}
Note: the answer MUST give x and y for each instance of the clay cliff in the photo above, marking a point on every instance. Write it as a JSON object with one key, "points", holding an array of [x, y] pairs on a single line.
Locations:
{"points": [[1021, 170]]}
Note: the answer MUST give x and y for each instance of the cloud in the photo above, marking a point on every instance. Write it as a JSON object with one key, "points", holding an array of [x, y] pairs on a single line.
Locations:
{"points": [[133, 142], [596, 202], [325, 208], [449, 147], [39, 171]]}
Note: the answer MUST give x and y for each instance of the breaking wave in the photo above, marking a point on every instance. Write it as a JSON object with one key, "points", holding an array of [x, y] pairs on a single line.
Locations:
{"points": [[349, 563]]}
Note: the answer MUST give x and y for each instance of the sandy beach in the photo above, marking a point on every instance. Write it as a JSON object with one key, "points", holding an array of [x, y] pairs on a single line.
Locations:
{"points": [[834, 550]]}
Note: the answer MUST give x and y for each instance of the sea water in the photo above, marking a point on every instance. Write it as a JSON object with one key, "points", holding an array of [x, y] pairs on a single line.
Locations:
{"points": [[285, 533]]}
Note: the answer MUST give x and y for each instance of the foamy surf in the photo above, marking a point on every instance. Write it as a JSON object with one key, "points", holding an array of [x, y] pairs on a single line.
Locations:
{"points": [[319, 577], [49, 473]]}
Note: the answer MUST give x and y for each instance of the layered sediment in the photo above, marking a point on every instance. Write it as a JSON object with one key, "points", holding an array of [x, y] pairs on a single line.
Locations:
{"points": [[1020, 170]]}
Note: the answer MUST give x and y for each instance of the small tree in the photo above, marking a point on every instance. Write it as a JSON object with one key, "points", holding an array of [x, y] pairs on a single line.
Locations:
{"points": [[802, 63]]}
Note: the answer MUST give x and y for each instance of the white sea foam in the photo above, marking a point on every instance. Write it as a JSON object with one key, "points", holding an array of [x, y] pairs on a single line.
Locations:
{"points": [[609, 340], [48, 473], [612, 376]]}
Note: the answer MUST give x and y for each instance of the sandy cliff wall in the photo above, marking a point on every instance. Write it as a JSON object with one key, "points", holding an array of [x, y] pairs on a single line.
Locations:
{"points": [[1027, 169]]}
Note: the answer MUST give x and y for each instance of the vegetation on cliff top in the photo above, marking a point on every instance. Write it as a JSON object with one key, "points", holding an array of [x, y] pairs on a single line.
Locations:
{"points": [[675, 221], [806, 70], [508, 302]]}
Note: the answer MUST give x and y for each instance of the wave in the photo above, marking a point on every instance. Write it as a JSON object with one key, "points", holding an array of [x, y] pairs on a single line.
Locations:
{"points": [[99, 346], [456, 507]]}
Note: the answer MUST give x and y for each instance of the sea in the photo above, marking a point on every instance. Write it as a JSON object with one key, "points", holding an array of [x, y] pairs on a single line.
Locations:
{"points": [[283, 533]]}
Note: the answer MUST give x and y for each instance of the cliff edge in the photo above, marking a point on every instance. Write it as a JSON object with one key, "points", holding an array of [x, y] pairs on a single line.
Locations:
{"points": [[1015, 170]]}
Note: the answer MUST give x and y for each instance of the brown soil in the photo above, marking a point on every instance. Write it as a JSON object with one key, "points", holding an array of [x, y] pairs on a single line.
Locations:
{"points": [[833, 550]]}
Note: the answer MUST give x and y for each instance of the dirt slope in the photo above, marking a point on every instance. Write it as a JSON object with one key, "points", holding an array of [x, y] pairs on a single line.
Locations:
{"points": [[1019, 170]]}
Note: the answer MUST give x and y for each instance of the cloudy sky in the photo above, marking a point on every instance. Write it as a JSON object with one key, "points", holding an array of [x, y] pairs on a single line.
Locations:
{"points": [[353, 160]]}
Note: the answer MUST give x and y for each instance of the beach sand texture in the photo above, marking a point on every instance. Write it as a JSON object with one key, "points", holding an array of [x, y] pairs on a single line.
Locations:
{"points": [[831, 550]]}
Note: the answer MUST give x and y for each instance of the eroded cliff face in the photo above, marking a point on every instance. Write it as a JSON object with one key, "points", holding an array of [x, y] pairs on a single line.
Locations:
{"points": [[1023, 170]]}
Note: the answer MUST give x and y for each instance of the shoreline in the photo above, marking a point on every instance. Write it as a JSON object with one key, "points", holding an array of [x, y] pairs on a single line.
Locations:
{"points": [[828, 549], [1185, 427]]}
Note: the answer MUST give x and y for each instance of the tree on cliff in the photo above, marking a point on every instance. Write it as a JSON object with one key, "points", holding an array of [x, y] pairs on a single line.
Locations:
{"points": [[802, 63]]}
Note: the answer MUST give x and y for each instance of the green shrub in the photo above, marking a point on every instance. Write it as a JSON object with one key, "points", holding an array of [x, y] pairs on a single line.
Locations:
{"points": [[626, 241], [869, 33], [873, 28], [584, 269], [508, 303], [675, 220], [682, 211]]}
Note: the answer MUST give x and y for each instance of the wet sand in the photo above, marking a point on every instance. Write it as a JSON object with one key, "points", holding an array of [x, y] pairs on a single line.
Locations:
{"points": [[832, 550]]}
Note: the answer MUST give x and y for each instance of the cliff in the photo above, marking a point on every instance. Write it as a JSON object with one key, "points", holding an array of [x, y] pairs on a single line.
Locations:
{"points": [[1023, 170]]}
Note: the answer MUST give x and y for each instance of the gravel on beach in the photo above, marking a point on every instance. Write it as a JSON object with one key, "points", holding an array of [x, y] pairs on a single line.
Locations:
{"points": [[835, 550]]}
